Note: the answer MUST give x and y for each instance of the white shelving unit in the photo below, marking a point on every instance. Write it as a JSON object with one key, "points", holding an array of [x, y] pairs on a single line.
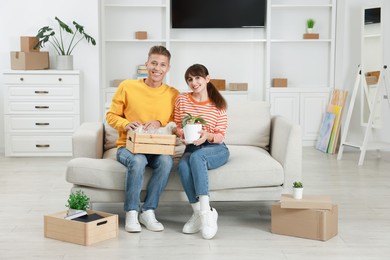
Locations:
{"points": [[307, 64], [244, 55]]}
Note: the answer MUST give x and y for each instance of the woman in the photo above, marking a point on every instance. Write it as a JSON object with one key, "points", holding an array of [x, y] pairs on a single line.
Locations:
{"points": [[208, 152]]}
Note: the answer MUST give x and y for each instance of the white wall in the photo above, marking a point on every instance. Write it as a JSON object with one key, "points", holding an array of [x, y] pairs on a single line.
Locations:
{"points": [[16, 21], [348, 55]]}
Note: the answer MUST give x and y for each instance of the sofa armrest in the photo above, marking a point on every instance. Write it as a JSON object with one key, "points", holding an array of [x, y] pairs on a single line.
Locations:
{"points": [[286, 148], [87, 141]]}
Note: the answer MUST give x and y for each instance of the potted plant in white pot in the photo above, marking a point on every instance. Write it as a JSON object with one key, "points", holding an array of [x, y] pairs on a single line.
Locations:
{"points": [[191, 126], [297, 190], [63, 48], [310, 25], [77, 205]]}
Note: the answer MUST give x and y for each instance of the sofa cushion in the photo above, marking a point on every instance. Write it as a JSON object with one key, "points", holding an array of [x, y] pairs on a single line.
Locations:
{"points": [[248, 167], [254, 133], [110, 136]]}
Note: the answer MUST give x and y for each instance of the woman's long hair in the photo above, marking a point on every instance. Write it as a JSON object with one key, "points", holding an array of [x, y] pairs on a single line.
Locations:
{"points": [[213, 93]]}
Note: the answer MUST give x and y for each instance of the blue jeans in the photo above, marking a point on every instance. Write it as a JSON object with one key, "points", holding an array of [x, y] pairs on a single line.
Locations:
{"points": [[136, 163], [194, 165]]}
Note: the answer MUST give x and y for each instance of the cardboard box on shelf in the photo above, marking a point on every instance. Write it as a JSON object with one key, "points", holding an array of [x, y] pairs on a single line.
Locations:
{"points": [[318, 224], [141, 35], [307, 202], [82, 233], [115, 83], [279, 82], [238, 86], [311, 36], [150, 143], [29, 60], [27, 43], [220, 84]]}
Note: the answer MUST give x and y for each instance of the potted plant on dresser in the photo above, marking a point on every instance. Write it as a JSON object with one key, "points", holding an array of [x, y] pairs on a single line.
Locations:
{"points": [[191, 126], [77, 205], [64, 49]]}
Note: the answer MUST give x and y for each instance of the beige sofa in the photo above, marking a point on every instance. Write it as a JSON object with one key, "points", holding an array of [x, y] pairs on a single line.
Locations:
{"points": [[265, 159]]}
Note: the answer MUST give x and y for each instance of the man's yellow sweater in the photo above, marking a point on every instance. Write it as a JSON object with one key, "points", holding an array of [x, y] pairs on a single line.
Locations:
{"points": [[136, 101]]}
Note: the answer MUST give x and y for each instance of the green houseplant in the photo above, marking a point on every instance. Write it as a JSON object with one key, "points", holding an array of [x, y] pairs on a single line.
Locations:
{"points": [[191, 126], [310, 25], [62, 46], [78, 202], [297, 190]]}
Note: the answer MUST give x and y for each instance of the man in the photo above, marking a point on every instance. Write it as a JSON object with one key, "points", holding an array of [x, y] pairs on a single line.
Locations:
{"points": [[146, 103]]}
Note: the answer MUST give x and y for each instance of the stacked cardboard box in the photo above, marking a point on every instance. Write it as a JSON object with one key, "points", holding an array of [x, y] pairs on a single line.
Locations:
{"points": [[29, 58], [313, 217]]}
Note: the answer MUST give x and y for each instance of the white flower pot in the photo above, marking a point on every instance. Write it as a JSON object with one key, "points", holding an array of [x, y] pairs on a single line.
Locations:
{"points": [[309, 30], [191, 132], [74, 211], [297, 193], [64, 62]]}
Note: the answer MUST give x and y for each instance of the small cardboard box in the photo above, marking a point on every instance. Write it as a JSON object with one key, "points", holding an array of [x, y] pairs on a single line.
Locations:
{"points": [[150, 143], [29, 60], [27, 44], [307, 202], [220, 84], [116, 82], [311, 36], [238, 86], [279, 82], [56, 227], [318, 224], [141, 35]]}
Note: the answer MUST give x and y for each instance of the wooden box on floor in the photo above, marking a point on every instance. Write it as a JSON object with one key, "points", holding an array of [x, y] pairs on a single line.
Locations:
{"points": [[150, 143], [56, 227]]}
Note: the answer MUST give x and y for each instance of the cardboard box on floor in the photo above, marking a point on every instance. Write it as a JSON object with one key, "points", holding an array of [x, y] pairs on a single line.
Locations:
{"points": [[56, 227], [318, 224], [307, 202]]}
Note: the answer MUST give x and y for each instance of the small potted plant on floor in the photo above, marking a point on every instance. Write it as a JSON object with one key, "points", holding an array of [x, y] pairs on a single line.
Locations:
{"points": [[191, 126], [78, 203], [310, 25], [297, 190], [63, 48]]}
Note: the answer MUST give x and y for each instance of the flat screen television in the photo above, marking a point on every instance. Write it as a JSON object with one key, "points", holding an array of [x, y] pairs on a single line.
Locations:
{"points": [[372, 15], [218, 13]]}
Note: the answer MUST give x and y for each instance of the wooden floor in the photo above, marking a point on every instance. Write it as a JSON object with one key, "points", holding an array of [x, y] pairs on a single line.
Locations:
{"points": [[33, 187]]}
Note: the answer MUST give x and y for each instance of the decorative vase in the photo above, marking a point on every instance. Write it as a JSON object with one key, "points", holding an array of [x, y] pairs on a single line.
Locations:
{"points": [[64, 62], [298, 193], [191, 132]]}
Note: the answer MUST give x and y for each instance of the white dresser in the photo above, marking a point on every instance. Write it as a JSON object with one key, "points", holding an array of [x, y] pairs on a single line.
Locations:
{"points": [[41, 112]]}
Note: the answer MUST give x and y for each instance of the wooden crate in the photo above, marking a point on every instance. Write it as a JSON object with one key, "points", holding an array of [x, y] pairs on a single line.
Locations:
{"points": [[150, 143], [56, 227]]}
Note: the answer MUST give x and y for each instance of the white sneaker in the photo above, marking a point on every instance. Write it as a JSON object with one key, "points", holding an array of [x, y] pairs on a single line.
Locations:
{"points": [[193, 225], [132, 224], [148, 219], [209, 223]]}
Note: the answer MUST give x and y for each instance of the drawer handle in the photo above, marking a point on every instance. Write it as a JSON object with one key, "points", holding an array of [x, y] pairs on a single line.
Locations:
{"points": [[41, 92], [21, 79], [42, 123], [42, 145], [40, 107], [59, 79]]}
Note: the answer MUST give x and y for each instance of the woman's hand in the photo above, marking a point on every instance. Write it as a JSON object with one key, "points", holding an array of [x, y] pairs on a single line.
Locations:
{"points": [[204, 136]]}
